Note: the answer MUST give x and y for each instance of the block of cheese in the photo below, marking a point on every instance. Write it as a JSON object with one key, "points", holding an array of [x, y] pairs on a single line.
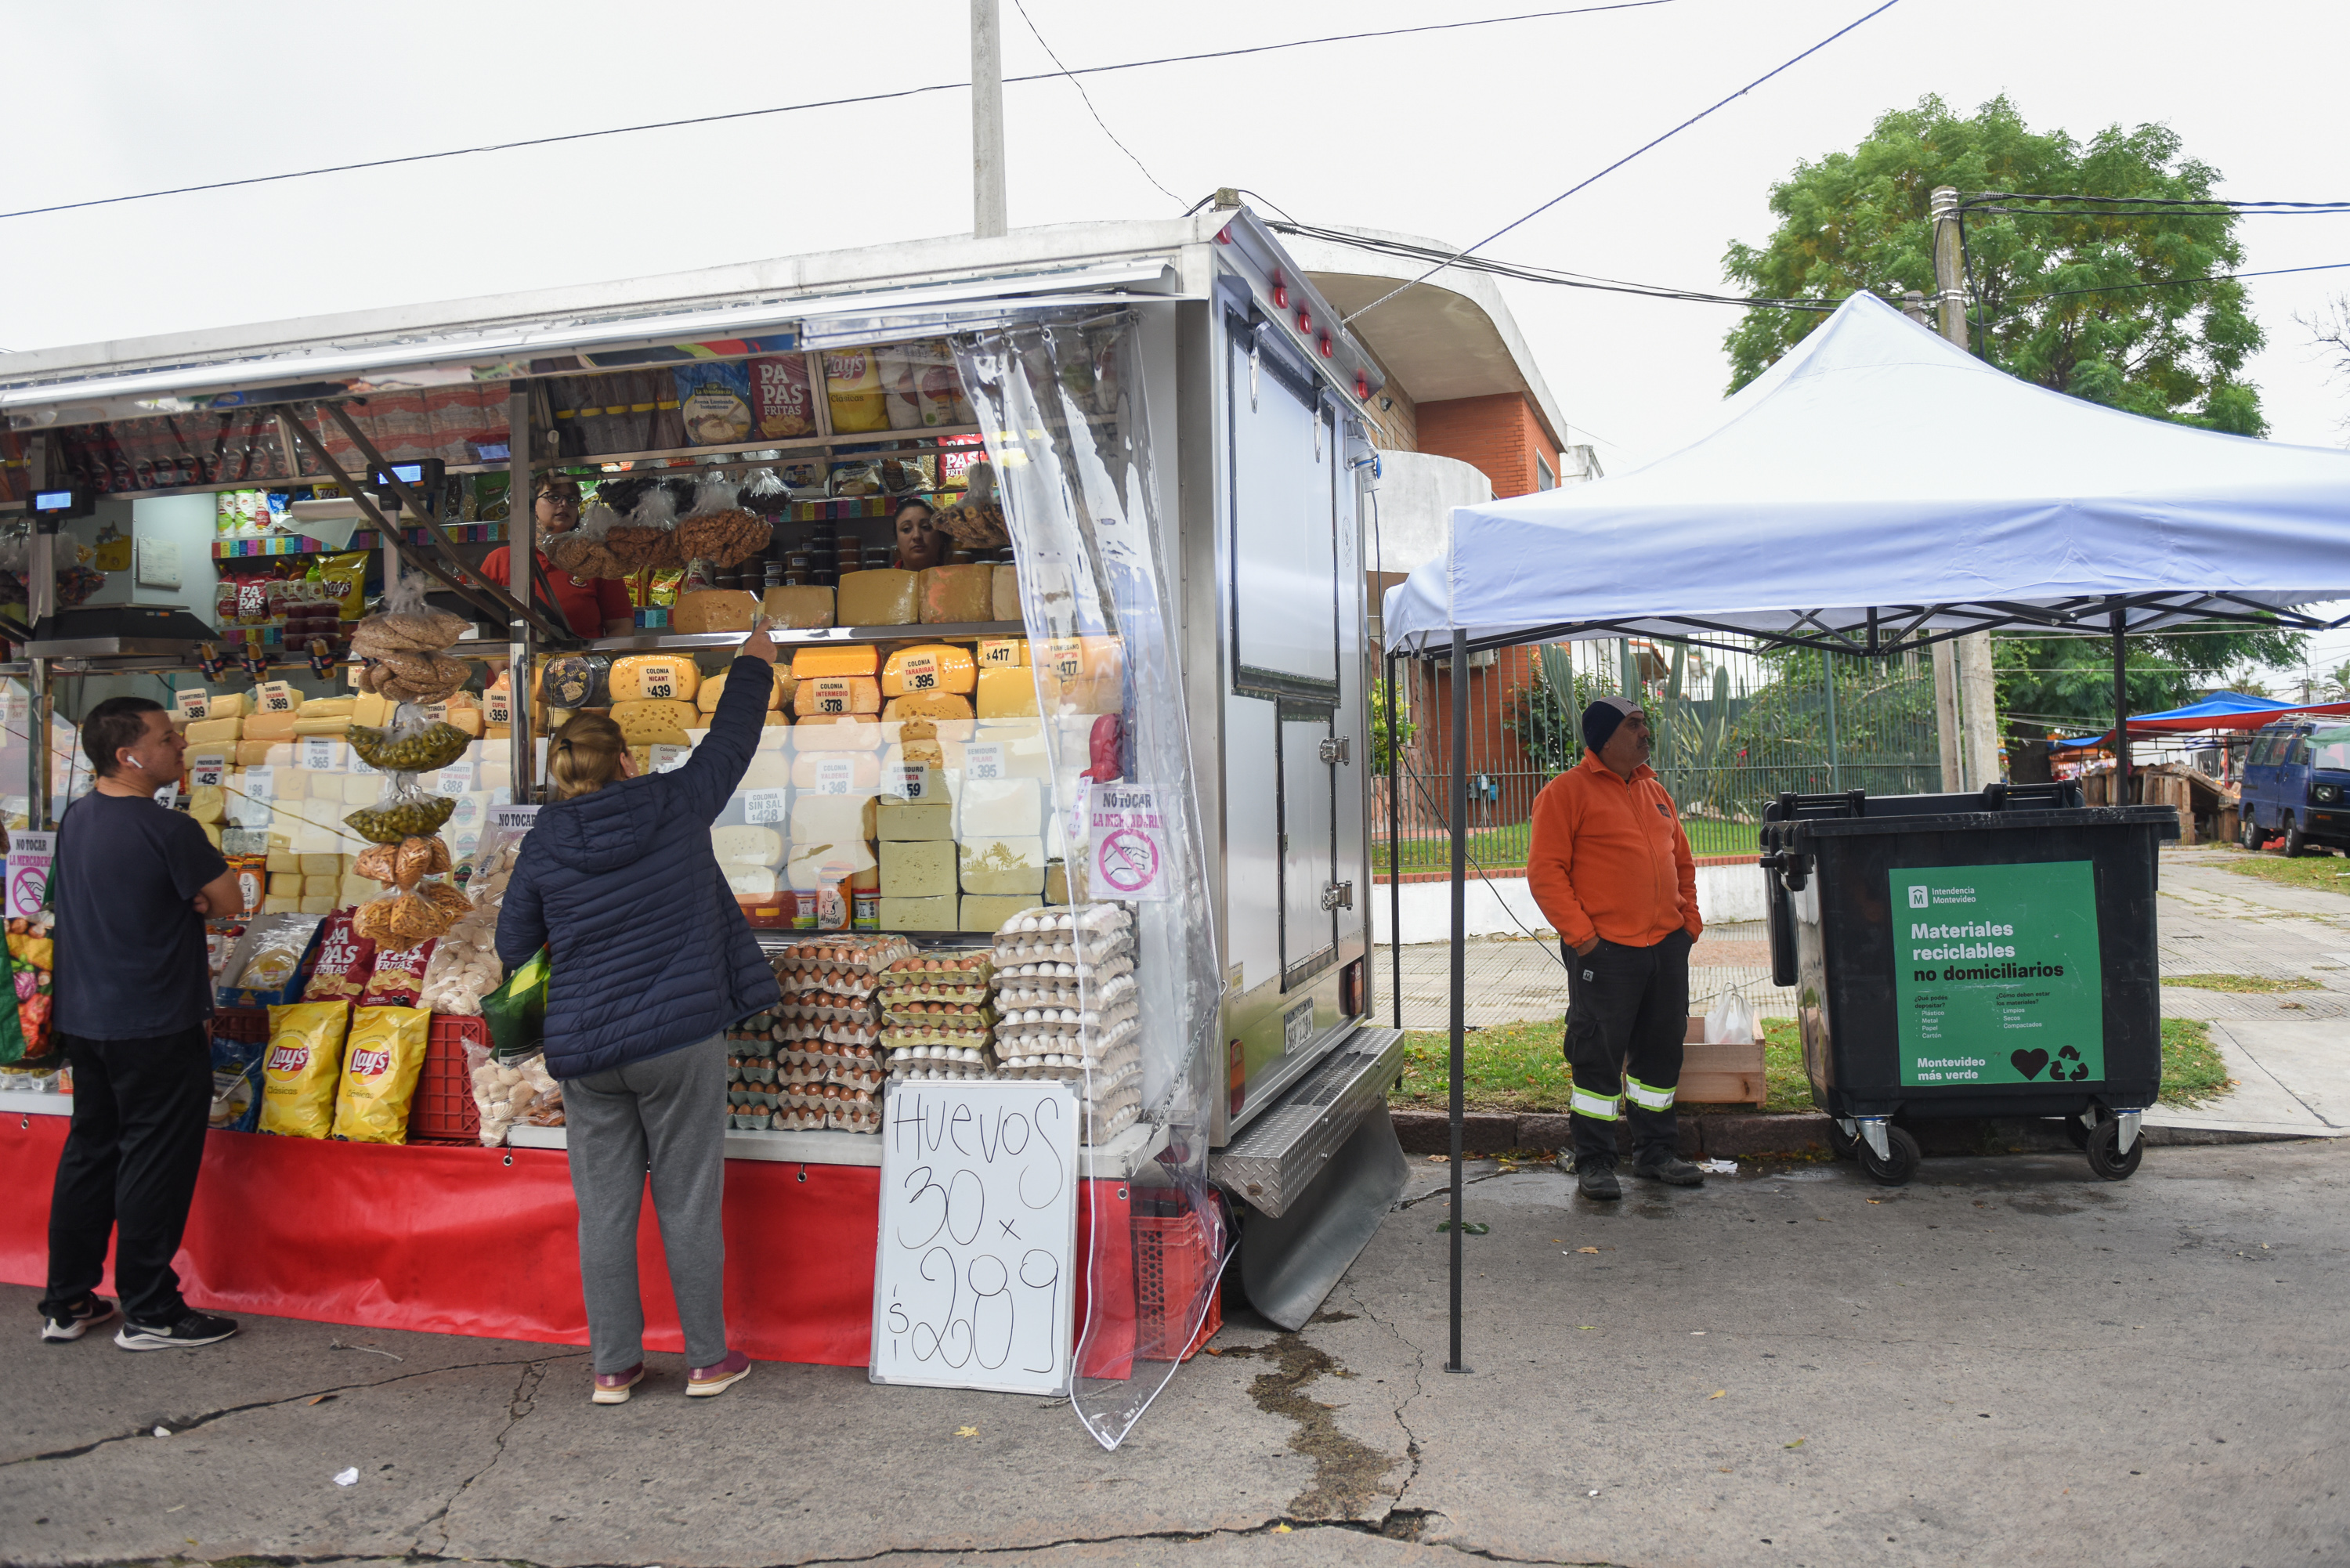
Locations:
{"points": [[1003, 650], [215, 731], [829, 695], [336, 727], [747, 845], [1007, 692], [930, 705], [914, 820], [289, 783], [929, 667], [363, 789], [895, 731], [1001, 866], [281, 860], [817, 818], [320, 866], [372, 710], [999, 809], [958, 595], [933, 754], [1010, 748], [918, 868], [835, 658], [751, 881], [919, 914], [354, 888], [1056, 882], [465, 716], [260, 727], [211, 833], [1003, 593], [837, 733], [886, 597], [285, 883], [321, 887], [768, 770], [208, 803], [815, 866], [316, 904], [228, 705], [327, 708], [270, 906], [642, 677], [653, 722], [706, 699], [986, 912], [799, 608], [837, 773], [918, 780], [714, 610]]}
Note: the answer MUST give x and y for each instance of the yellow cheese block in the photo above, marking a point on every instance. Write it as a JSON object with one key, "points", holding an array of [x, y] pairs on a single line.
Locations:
{"points": [[706, 699], [918, 868], [1006, 693], [1004, 591], [885, 598], [229, 705], [653, 722], [208, 803], [835, 658], [714, 610], [281, 906], [1057, 883], [837, 733], [895, 731], [279, 859], [371, 710], [821, 695], [318, 904], [285, 884], [263, 754], [927, 705], [1082, 674], [988, 912], [957, 595], [768, 770], [799, 608], [912, 821], [214, 732], [816, 865], [320, 866], [1001, 866], [929, 668], [263, 727], [327, 708], [464, 716], [641, 677], [355, 889], [938, 914], [323, 725], [363, 789], [855, 771], [321, 887], [1005, 650]]}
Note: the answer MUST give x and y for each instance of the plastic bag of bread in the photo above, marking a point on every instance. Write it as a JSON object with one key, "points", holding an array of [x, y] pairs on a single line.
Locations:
{"points": [[465, 967], [506, 1093], [406, 623]]}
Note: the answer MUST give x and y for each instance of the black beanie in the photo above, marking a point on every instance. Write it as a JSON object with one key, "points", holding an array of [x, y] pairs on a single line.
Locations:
{"points": [[1600, 720]]}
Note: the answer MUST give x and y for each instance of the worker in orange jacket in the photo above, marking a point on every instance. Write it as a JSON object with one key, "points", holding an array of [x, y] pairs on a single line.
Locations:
{"points": [[1611, 869]]}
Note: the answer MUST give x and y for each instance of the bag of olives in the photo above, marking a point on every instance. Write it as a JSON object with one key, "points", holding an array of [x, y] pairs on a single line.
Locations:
{"points": [[410, 745], [408, 812]]}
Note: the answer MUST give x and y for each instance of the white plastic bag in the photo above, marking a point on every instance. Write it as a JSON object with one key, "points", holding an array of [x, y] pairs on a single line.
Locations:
{"points": [[1732, 1019]]}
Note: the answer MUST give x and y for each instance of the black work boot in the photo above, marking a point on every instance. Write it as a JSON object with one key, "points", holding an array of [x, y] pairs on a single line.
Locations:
{"points": [[1670, 1169], [1598, 1181]]}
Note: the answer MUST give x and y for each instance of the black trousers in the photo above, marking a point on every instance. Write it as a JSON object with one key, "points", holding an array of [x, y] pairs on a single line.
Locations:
{"points": [[1627, 1017], [141, 1111]]}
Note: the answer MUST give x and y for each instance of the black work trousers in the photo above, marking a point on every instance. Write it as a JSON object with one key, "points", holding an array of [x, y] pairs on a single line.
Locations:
{"points": [[141, 1111], [1627, 1017]]}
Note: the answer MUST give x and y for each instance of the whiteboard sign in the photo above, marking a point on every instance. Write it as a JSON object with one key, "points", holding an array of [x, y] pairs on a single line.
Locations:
{"points": [[973, 1282]]}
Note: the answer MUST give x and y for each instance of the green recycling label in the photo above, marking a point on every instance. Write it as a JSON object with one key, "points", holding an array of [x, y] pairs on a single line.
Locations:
{"points": [[1995, 971]]}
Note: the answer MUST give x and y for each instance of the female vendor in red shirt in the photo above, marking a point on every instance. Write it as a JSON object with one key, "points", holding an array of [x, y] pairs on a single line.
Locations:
{"points": [[592, 606]]}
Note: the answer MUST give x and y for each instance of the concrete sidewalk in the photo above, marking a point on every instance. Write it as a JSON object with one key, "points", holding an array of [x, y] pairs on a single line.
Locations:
{"points": [[2007, 1361]]}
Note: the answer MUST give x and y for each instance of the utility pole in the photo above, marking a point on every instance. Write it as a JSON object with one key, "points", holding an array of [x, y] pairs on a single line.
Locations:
{"points": [[1971, 726], [989, 214]]}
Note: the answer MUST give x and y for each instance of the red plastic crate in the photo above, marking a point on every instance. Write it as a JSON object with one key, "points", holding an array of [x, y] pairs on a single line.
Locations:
{"points": [[442, 1110], [1171, 1265], [251, 1023]]}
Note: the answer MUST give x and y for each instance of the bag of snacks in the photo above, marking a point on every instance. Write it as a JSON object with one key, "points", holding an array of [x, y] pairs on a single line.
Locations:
{"points": [[267, 965], [237, 1083], [505, 1093], [305, 1057], [345, 960], [380, 1066], [398, 977]]}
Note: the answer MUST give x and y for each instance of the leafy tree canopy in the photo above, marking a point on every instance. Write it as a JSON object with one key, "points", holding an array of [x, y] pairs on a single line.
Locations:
{"points": [[1859, 220]]}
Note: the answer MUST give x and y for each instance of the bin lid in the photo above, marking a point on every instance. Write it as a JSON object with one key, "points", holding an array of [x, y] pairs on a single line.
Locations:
{"points": [[2164, 818]]}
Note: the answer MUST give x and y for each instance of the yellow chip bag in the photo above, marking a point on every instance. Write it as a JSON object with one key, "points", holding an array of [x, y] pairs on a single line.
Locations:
{"points": [[379, 1072], [298, 1074]]}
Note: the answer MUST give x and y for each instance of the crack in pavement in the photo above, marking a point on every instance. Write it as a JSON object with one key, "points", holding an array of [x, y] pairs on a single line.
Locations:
{"points": [[525, 1396], [1345, 1472], [1416, 1518], [190, 1424], [1466, 1181]]}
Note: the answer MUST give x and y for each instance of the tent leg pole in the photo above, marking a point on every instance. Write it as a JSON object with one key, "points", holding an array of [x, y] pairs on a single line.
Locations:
{"points": [[1395, 850], [2121, 711], [1460, 956]]}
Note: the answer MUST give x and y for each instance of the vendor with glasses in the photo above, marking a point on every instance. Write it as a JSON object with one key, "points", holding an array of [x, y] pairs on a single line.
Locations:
{"points": [[591, 607]]}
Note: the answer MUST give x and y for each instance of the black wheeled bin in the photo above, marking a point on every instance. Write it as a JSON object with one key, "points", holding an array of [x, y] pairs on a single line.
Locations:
{"points": [[1970, 955]]}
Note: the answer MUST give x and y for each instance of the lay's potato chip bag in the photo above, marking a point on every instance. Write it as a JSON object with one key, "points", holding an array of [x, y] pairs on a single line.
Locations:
{"points": [[381, 1067], [298, 1075]]}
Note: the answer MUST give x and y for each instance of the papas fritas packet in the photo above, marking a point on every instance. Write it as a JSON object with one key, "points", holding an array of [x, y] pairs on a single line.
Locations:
{"points": [[298, 1075], [380, 1066]]}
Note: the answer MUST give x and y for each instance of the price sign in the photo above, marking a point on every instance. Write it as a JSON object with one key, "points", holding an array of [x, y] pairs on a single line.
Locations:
{"points": [[318, 753], [457, 778], [984, 762], [659, 680], [763, 806], [168, 797], [513, 819], [436, 712], [351, 675], [497, 708], [206, 771], [912, 780], [1000, 652], [261, 784], [830, 693], [1063, 658], [919, 671], [833, 775], [668, 759], [276, 697], [192, 702]]}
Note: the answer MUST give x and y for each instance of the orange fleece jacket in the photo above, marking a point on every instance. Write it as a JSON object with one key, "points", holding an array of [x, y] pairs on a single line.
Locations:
{"points": [[1609, 858]]}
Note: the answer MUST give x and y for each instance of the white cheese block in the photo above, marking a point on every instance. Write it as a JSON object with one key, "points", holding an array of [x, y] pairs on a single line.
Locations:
{"points": [[817, 818], [815, 866], [998, 808], [915, 820], [1022, 747], [751, 881], [917, 869], [988, 913], [938, 914], [747, 845], [1001, 866]]}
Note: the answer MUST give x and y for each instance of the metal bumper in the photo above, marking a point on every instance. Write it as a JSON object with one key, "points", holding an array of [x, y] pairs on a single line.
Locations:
{"points": [[1278, 1156]]}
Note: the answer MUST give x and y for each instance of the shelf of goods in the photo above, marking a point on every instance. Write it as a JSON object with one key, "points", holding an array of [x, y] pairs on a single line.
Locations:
{"points": [[261, 545]]}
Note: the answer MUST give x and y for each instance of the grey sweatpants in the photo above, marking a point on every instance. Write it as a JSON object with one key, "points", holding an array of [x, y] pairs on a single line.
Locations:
{"points": [[670, 1111]]}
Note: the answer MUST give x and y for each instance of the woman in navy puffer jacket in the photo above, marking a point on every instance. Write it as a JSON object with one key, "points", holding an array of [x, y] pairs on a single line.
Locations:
{"points": [[651, 960]]}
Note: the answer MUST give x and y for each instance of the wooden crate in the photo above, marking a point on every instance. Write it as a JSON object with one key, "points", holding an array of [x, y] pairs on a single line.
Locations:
{"points": [[1726, 1075]]}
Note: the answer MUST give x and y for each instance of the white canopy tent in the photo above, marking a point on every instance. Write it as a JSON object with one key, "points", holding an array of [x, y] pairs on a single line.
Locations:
{"points": [[1877, 489]]}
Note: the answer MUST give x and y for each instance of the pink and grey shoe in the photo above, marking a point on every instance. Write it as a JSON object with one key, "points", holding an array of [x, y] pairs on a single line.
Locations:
{"points": [[612, 1387], [701, 1382]]}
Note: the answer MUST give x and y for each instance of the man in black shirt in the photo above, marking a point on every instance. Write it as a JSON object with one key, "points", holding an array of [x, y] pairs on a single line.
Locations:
{"points": [[132, 885]]}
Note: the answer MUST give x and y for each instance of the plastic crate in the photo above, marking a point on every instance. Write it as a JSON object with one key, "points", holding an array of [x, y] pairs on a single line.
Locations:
{"points": [[442, 1110], [246, 1024], [1171, 1263]]}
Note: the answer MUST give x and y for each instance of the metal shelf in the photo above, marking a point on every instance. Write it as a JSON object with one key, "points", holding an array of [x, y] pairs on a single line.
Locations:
{"points": [[662, 642]]}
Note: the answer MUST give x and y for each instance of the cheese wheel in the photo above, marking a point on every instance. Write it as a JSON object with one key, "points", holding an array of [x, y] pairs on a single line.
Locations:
{"points": [[957, 595], [641, 677], [897, 731], [653, 722], [833, 695], [714, 610], [835, 658], [929, 668], [1004, 590], [706, 699], [1008, 650], [1006, 693], [885, 598], [465, 716], [371, 709], [799, 608], [208, 803]]}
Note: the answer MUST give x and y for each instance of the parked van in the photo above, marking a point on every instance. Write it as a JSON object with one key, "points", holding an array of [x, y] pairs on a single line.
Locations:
{"points": [[2297, 784]]}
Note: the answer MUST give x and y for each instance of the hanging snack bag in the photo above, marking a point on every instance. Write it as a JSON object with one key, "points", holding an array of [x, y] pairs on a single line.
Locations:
{"points": [[398, 977], [345, 960], [298, 1075], [346, 580], [237, 1083], [381, 1067], [852, 382], [714, 403], [781, 403]]}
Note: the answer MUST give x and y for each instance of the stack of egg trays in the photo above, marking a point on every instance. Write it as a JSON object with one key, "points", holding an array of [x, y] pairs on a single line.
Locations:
{"points": [[1068, 1008], [937, 1023], [808, 1064]]}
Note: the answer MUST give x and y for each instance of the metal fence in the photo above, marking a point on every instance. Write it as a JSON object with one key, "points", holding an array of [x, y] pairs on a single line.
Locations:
{"points": [[1734, 731]]}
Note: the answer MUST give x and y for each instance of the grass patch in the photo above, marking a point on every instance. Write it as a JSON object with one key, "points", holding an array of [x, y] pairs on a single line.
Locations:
{"points": [[2243, 982], [1497, 848], [1517, 1068], [2326, 873]]}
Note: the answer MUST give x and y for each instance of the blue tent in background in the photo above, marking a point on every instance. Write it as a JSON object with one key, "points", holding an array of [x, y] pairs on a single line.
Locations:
{"points": [[2220, 710]]}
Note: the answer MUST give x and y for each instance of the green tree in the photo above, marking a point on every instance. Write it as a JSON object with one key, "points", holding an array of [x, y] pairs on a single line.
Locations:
{"points": [[1859, 220], [1406, 728], [2048, 683]]}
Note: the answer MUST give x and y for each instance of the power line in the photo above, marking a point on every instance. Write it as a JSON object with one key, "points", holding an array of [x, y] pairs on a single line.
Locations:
{"points": [[1976, 200], [840, 102], [1020, 6], [1627, 158]]}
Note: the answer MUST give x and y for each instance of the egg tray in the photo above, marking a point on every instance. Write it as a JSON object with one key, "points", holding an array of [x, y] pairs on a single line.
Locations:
{"points": [[1046, 973], [1100, 1032], [842, 1073], [806, 1033], [828, 982], [941, 969], [1066, 993], [1096, 1131], [850, 1118], [823, 1007], [918, 1014], [1089, 953], [866, 956], [1080, 921], [939, 1073], [970, 1052], [1097, 1081], [762, 1073], [974, 995]]}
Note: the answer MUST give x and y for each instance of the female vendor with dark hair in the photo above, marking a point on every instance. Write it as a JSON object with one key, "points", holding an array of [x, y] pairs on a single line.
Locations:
{"points": [[920, 542]]}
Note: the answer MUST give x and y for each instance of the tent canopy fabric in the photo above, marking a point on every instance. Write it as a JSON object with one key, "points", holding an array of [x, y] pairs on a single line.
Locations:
{"points": [[2220, 710], [1879, 481]]}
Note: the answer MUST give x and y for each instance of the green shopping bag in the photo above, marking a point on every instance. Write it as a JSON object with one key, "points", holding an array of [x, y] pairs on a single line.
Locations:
{"points": [[516, 1011]]}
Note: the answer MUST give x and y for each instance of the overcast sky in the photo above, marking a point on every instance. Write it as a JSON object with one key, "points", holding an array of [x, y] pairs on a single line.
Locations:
{"points": [[1448, 134]]}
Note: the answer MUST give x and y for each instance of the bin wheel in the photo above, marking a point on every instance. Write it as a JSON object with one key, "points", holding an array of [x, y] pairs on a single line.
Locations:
{"points": [[2295, 843], [2077, 1131], [1900, 1168], [1841, 1146], [2105, 1158]]}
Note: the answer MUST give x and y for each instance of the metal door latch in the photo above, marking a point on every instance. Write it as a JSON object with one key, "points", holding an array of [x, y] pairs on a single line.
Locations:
{"points": [[1334, 750], [1338, 895]]}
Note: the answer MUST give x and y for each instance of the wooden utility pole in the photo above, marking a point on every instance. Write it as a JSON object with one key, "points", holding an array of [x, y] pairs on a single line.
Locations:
{"points": [[1970, 721], [990, 217]]}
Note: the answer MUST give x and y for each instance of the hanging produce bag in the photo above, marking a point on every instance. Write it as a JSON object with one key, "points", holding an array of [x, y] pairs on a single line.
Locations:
{"points": [[516, 1011]]}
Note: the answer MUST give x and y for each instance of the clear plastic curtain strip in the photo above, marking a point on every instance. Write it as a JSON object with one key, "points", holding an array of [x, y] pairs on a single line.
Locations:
{"points": [[1061, 402]]}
